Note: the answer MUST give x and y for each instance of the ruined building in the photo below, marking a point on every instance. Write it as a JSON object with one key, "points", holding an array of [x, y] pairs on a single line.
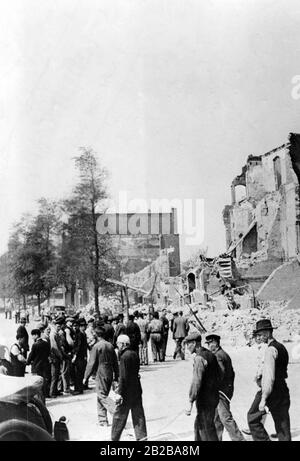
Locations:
{"points": [[263, 221]]}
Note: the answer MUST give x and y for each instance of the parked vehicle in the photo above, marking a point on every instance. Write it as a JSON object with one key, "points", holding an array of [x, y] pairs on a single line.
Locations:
{"points": [[23, 415]]}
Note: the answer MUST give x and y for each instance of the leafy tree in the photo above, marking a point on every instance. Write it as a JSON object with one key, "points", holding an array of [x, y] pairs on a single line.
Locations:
{"points": [[86, 255]]}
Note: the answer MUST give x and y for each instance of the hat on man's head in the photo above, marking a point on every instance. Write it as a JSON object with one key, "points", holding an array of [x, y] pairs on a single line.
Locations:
{"points": [[264, 324], [212, 337], [82, 322], [69, 319], [195, 336]]}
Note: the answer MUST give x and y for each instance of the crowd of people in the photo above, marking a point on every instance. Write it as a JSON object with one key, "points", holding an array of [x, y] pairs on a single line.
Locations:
{"points": [[67, 351]]}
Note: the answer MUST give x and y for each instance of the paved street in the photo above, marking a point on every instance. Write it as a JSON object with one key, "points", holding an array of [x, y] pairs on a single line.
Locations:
{"points": [[165, 391]]}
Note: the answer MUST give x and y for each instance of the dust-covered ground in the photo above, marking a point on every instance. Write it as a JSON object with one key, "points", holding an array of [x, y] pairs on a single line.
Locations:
{"points": [[165, 396]]}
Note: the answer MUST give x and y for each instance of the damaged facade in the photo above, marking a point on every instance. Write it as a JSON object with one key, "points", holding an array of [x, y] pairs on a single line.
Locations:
{"points": [[263, 221]]}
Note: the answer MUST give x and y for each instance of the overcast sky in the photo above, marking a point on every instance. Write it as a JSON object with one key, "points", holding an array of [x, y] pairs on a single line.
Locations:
{"points": [[173, 96]]}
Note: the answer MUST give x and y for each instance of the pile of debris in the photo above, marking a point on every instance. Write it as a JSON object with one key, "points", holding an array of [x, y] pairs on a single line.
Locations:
{"points": [[236, 327]]}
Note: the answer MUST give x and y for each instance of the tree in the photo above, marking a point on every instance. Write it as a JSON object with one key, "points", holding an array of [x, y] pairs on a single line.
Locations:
{"points": [[87, 255], [33, 252]]}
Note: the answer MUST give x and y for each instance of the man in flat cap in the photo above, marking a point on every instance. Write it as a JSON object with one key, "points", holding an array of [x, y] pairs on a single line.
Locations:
{"points": [[224, 416], [273, 393], [103, 360], [56, 356], [39, 359], [22, 331], [204, 389]]}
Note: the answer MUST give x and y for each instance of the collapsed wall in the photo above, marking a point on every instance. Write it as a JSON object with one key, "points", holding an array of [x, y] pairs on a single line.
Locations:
{"points": [[263, 224]]}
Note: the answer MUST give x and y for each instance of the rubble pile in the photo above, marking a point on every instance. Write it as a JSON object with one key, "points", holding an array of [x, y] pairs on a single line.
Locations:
{"points": [[248, 260], [236, 327]]}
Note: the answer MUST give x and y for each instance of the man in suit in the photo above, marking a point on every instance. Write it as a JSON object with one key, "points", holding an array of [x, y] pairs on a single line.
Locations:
{"points": [[22, 331], [180, 331]]}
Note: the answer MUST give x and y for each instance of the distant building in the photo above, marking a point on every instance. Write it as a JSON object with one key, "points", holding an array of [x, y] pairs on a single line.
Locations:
{"points": [[140, 237]]}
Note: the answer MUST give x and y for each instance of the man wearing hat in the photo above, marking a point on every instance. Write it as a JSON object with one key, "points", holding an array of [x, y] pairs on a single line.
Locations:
{"points": [[104, 360], [204, 389], [80, 357], [21, 331], [56, 356], [39, 359], [224, 416], [273, 393]]}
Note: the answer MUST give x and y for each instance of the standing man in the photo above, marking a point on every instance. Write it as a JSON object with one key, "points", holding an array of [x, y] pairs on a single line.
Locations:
{"points": [[103, 360], [120, 329], [134, 333], [80, 357], [224, 416], [109, 329], [156, 331], [143, 347], [17, 356], [180, 330], [165, 333], [204, 389], [21, 331], [274, 392], [39, 359], [56, 357], [129, 393]]}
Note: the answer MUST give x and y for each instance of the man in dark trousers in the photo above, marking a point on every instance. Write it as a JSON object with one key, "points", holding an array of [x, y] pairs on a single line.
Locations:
{"points": [[180, 330], [165, 333], [224, 416], [39, 359], [56, 356], [274, 393], [204, 389], [79, 359], [134, 333], [21, 331], [103, 360], [129, 393]]}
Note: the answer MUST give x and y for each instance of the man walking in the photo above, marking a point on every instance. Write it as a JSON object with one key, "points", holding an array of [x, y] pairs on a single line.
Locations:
{"points": [[274, 392], [129, 393], [224, 416], [180, 330], [104, 361], [204, 389]]}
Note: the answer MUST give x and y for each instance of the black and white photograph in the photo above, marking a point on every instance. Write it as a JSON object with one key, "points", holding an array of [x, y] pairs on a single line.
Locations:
{"points": [[149, 223]]}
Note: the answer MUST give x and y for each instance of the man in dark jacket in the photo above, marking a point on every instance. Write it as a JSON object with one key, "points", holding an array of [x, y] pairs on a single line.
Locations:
{"points": [[120, 329], [224, 416], [204, 389], [109, 329], [273, 392], [21, 331], [39, 359], [103, 360], [165, 334], [80, 357], [129, 393], [134, 333]]}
